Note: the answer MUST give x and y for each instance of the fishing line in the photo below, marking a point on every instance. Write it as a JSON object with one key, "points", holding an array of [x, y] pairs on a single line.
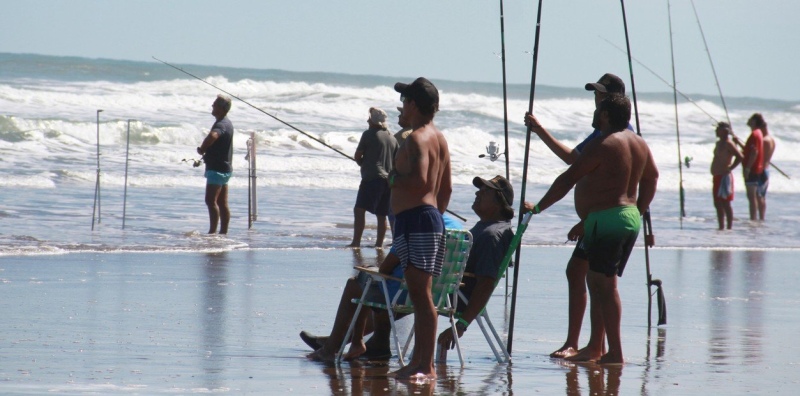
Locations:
{"points": [[681, 192], [279, 120]]}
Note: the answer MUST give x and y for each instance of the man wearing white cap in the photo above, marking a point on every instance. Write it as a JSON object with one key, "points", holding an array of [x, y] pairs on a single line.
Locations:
{"points": [[375, 155]]}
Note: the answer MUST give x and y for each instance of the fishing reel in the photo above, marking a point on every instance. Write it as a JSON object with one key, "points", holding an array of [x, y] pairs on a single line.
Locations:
{"points": [[687, 161], [493, 152], [195, 162]]}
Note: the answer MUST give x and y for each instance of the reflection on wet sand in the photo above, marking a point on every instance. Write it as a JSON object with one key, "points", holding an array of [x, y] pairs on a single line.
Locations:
{"points": [[214, 319], [600, 379]]}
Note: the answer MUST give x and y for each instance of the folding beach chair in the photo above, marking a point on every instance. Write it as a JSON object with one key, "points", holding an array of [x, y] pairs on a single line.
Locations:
{"points": [[444, 289], [496, 342]]}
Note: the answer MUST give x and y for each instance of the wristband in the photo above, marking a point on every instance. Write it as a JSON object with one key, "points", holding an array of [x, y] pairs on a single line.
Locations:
{"points": [[391, 180], [536, 209], [463, 322]]}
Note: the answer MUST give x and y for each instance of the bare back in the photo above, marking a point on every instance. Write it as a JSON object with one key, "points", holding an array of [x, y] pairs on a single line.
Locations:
{"points": [[422, 165], [611, 168], [769, 149]]}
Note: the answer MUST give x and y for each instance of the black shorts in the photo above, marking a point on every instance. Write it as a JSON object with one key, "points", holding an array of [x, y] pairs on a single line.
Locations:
{"points": [[580, 250], [373, 196]]}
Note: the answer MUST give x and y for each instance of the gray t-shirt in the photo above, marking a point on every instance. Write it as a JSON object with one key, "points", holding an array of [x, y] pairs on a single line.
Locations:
{"points": [[379, 148], [492, 239], [219, 156]]}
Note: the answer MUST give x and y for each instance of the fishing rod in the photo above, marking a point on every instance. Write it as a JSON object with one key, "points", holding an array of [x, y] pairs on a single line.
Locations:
{"points": [[249, 104], [505, 94], [96, 205], [681, 192], [276, 119], [649, 239], [524, 177], [690, 100], [711, 62]]}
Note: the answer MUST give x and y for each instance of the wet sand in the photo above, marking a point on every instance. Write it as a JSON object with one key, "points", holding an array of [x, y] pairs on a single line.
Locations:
{"points": [[180, 323]]}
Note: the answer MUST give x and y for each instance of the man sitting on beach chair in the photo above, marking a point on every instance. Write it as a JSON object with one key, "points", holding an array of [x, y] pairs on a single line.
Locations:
{"points": [[492, 236]]}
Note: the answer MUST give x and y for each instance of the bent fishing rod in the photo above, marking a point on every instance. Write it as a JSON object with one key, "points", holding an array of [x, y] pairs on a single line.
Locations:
{"points": [[276, 119], [688, 99]]}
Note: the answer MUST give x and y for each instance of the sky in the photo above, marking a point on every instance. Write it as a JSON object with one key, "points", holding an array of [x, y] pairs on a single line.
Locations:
{"points": [[754, 45]]}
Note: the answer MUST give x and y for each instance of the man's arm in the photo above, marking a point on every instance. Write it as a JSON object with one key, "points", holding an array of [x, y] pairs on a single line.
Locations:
{"points": [[737, 156], [416, 175], [583, 165], [445, 189], [208, 142], [647, 184], [479, 298], [359, 156], [568, 155]]}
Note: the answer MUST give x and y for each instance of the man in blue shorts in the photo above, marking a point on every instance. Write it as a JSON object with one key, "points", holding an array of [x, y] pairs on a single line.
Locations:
{"points": [[421, 188], [375, 155], [578, 266], [217, 152], [614, 168]]}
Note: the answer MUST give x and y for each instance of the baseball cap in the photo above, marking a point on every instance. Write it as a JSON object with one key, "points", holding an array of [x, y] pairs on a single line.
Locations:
{"points": [[421, 91], [498, 183], [609, 83]]}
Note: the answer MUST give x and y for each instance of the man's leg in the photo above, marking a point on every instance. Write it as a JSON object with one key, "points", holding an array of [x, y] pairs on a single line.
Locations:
{"points": [[344, 315], [576, 280], [212, 192], [224, 210], [594, 349], [611, 306], [381, 231], [419, 290], [359, 221], [762, 207], [728, 209], [720, 213], [751, 198]]}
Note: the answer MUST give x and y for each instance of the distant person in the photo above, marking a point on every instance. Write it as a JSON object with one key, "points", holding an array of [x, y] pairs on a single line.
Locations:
{"points": [[375, 153], [614, 168], [421, 187], [721, 170], [753, 162], [403, 133], [763, 183], [578, 266], [217, 152]]}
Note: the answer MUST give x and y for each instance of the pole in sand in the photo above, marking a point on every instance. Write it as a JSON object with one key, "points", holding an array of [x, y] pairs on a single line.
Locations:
{"points": [[647, 225], [524, 177], [252, 196], [96, 205], [681, 193], [125, 190]]}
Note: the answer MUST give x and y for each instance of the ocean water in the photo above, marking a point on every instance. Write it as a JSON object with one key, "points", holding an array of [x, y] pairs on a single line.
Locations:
{"points": [[48, 142]]}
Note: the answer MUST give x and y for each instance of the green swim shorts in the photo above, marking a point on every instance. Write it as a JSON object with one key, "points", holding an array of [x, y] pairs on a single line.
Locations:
{"points": [[609, 238]]}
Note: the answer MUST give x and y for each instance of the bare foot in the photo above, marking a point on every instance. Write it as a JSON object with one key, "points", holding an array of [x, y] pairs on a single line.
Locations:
{"points": [[354, 245], [404, 372], [585, 355], [608, 359], [564, 352], [356, 349], [320, 355], [414, 374]]}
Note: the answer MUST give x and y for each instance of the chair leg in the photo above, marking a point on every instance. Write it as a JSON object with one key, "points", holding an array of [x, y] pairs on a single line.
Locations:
{"points": [[455, 337], [483, 322], [392, 321], [349, 333]]}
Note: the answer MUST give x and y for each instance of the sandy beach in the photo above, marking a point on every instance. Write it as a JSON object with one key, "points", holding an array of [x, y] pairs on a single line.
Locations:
{"points": [[181, 323]]}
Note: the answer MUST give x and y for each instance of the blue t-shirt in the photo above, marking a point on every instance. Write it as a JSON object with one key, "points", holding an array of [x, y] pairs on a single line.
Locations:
{"points": [[593, 135]]}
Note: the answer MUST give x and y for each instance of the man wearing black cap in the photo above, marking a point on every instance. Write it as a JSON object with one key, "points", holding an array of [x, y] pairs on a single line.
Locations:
{"points": [[492, 237], [618, 178], [421, 188], [578, 266]]}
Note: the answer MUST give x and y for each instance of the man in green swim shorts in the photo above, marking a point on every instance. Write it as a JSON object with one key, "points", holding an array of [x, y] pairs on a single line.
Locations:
{"points": [[616, 177]]}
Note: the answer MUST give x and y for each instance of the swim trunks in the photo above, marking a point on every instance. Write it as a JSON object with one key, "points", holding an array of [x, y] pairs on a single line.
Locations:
{"points": [[374, 196], [752, 179], [763, 184], [217, 178], [580, 250], [419, 239], [609, 237], [723, 187]]}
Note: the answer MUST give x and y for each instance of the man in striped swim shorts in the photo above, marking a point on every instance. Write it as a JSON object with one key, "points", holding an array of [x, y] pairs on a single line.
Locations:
{"points": [[421, 188]]}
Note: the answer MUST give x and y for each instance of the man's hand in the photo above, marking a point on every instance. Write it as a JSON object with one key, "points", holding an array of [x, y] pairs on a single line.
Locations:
{"points": [[576, 232], [446, 338], [532, 123], [199, 151]]}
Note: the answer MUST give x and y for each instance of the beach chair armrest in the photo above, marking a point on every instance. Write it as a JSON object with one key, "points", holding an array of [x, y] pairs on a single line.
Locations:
{"points": [[373, 271]]}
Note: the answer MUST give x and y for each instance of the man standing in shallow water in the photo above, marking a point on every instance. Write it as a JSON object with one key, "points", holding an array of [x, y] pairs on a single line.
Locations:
{"points": [[217, 152], [421, 188], [721, 170], [613, 168]]}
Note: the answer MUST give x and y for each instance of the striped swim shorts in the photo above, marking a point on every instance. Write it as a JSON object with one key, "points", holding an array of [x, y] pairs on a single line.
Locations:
{"points": [[419, 239]]}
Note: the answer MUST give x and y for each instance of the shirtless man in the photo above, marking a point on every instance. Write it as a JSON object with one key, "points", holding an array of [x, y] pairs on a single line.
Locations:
{"points": [[721, 167], [421, 188], [753, 162], [763, 183], [578, 266], [612, 169]]}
